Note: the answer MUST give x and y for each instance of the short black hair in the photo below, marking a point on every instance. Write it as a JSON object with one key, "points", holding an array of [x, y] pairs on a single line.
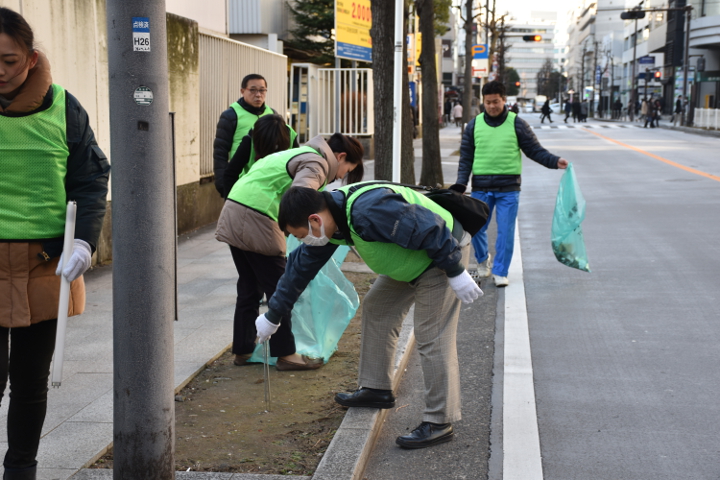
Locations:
{"points": [[270, 134], [252, 76], [494, 87], [297, 205], [340, 143]]}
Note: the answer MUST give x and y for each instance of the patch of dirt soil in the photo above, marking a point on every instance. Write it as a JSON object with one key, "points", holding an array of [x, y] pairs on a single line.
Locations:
{"points": [[222, 425]]}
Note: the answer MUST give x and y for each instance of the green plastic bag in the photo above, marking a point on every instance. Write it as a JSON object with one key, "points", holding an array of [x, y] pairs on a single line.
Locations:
{"points": [[567, 239], [323, 311]]}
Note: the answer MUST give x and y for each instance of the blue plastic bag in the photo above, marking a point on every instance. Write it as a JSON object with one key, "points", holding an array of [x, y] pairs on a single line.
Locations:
{"points": [[323, 311], [567, 239]]}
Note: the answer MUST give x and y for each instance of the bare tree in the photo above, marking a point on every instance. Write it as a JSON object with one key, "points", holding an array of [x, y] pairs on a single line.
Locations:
{"points": [[431, 173], [382, 33]]}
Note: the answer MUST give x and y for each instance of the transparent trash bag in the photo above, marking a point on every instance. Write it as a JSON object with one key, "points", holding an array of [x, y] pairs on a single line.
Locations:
{"points": [[567, 239], [323, 311]]}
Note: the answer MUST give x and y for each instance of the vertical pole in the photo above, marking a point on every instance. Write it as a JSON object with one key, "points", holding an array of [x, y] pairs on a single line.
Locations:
{"points": [[143, 241], [632, 81], [686, 65], [397, 92], [337, 94]]}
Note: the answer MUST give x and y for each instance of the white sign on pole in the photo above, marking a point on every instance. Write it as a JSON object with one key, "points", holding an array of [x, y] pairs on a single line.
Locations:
{"points": [[141, 34]]}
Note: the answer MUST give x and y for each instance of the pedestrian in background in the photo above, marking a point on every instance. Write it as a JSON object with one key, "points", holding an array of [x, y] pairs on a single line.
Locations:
{"points": [[48, 155], [584, 111], [490, 152], [457, 113], [545, 111], [617, 109], [568, 109], [420, 252], [644, 107], [248, 223], [447, 111], [677, 113], [576, 111], [648, 110], [236, 122]]}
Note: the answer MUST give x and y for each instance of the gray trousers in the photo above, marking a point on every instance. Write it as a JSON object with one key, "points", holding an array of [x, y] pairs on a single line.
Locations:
{"points": [[435, 324]]}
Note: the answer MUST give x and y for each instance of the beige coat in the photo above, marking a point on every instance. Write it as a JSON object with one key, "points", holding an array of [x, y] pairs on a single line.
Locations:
{"points": [[29, 288], [249, 230]]}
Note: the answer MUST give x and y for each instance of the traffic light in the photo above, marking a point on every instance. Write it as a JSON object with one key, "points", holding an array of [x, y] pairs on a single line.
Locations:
{"points": [[632, 15], [517, 84], [532, 38], [658, 75]]}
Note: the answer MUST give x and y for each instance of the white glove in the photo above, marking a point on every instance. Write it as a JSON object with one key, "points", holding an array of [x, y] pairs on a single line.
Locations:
{"points": [[265, 328], [79, 261], [465, 287]]}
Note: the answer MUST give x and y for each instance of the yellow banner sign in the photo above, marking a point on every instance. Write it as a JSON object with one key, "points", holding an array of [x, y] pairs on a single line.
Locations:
{"points": [[352, 30]]}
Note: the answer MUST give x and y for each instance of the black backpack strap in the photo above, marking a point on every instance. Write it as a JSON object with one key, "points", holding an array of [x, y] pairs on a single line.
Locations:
{"points": [[339, 215]]}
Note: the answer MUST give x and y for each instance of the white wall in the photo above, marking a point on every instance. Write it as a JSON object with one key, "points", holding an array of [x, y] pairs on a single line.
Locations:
{"points": [[210, 14]]}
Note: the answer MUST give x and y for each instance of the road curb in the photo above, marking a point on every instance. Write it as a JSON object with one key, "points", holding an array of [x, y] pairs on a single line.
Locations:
{"points": [[350, 449]]}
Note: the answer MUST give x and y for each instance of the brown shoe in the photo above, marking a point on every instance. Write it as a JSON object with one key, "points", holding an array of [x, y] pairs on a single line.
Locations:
{"points": [[310, 364], [242, 360]]}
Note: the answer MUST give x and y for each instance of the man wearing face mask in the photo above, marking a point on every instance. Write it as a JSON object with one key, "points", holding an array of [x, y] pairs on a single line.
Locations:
{"points": [[248, 223], [420, 252]]}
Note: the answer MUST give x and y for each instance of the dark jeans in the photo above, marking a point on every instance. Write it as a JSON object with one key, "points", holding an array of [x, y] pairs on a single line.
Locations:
{"points": [[258, 274], [30, 353]]}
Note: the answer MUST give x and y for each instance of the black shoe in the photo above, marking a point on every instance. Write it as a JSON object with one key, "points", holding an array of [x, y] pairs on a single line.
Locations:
{"points": [[426, 435], [20, 473], [367, 397]]}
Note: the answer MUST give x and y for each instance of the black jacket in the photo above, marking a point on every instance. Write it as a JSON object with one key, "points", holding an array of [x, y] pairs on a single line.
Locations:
{"points": [[527, 141], [88, 171], [224, 138]]}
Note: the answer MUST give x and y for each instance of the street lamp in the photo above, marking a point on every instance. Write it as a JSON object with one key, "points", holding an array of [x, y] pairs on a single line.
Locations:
{"points": [[634, 14]]}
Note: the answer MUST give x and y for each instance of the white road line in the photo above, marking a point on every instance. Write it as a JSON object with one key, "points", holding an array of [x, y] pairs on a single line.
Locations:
{"points": [[521, 438]]}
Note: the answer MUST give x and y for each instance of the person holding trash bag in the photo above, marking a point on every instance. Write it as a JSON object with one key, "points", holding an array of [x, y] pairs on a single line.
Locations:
{"points": [[420, 252], [48, 155], [248, 223], [491, 151]]}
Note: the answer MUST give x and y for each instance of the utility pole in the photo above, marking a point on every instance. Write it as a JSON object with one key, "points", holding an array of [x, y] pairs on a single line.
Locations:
{"points": [[143, 241], [595, 75], [686, 65]]}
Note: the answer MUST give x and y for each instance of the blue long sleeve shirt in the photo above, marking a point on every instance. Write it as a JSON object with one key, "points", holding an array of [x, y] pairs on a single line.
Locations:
{"points": [[378, 215]]}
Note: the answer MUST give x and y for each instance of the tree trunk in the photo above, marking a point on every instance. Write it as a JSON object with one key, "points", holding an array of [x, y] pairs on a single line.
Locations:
{"points": [[383, 34], [431, 173], [467, 81], [407, 156]]}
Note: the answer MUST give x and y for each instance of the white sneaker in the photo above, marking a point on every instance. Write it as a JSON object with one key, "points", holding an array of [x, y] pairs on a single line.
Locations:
{"points": [[485, 268], [500, 281]]}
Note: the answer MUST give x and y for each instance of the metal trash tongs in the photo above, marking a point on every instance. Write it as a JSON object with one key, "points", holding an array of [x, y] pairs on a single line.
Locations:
{"points": [[266, 373]]}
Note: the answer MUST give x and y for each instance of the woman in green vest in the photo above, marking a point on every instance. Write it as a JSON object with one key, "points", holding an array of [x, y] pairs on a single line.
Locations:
{"points": [[269, 135], [48, 155], [248, 223]]}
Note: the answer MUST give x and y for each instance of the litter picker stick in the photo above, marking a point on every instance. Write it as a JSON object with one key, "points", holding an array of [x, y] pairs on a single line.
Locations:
{"points": [[64, 295], [266, 371]]}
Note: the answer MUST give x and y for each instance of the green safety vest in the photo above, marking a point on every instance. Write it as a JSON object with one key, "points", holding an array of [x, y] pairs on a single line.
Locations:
{"points": [[251, 161], [398, 263], [245, 121], [497, 151], [264, 185], [33, 165]]}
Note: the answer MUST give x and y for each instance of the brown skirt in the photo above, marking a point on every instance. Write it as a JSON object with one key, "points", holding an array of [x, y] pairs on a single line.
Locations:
{"points": [[29, 288]]}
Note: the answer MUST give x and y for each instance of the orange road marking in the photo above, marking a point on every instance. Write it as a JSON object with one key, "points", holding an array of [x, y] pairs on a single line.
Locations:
{"points": [[656, 157]]}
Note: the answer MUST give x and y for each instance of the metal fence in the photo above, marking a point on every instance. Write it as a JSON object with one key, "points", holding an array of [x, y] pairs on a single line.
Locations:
{"points": [[223, 64], [345, 101], [707, 118]]}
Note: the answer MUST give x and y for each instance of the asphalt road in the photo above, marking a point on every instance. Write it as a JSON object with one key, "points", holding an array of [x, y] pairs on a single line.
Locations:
{"points": [[625, 358]]}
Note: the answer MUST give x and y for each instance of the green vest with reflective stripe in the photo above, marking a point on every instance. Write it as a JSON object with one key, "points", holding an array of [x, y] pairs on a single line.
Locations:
{"points": [[251, 161], [33, 165], [245, 121], [264, 185], [398, 263], [497, 151]]}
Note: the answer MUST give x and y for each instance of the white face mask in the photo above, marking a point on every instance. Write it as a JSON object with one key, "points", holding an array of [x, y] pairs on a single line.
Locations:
{"points": [[312, 241]]}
